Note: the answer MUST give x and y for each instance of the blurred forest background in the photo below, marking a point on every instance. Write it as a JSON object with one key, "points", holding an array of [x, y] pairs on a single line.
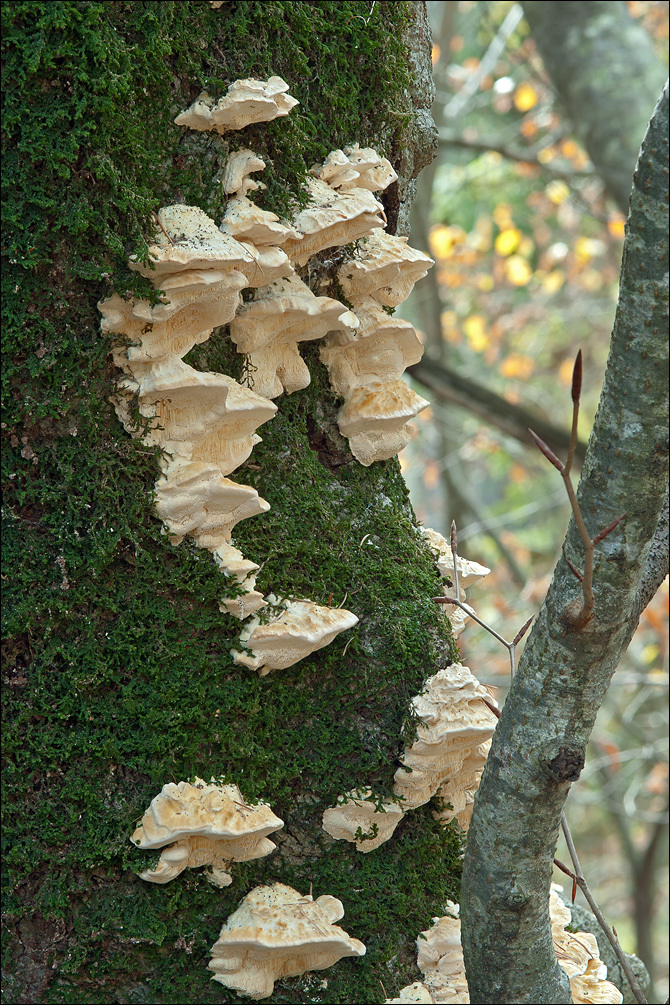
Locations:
{"points": [[527, 248]]}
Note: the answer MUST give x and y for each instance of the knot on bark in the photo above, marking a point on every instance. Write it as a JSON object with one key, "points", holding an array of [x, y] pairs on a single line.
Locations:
{"points": [[567, 765]]}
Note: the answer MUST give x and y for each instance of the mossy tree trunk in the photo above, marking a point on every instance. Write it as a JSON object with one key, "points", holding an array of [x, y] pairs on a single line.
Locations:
{"points": [[118, 672]]}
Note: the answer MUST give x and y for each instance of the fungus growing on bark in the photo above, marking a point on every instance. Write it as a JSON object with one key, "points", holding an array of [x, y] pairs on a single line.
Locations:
{"points": [[578, 955], [188, 239], [356, 813], [385, 268], [301, 629], [239, 166], [276, 932], [374, 418], [355, 167], [232, 563], [459, 790], [200, 824], [269, 328], [453, 720], [332, 219], [468, 572], [247, 101]]}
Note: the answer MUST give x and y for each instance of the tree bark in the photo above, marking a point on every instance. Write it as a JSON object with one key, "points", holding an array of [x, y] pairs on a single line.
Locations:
{"points": [[118, 667], [607, 76], [538, 748]]}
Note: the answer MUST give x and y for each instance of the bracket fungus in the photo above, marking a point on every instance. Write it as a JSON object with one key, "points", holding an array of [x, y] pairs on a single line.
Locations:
{"points": [[357, 814], [356, 167], [459, 790], [453, 720], [416, 992], [333, 218], [247, 101], [468, 573], [200, 824], [375, 417], [300, 629], [269, 328], [276, 932], [578, 955], [385, 268]]}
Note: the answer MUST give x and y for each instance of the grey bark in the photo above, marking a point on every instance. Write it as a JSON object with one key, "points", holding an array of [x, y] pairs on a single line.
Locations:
{"points": [[538, 748], [607, 75]]}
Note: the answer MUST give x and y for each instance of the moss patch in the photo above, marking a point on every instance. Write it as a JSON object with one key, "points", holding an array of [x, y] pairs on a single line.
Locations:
{"points": [[117, 664]]}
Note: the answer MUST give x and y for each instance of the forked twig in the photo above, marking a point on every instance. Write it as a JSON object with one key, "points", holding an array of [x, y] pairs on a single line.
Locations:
{"points": [[578, 880], [586, 579], [509, 646]]}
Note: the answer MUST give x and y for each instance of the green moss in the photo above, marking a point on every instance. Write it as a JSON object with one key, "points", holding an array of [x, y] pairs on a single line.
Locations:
{"points": [[117, 663]]}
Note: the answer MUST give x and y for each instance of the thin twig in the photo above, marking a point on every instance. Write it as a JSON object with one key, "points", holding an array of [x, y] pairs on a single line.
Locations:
{"points": [[454, 555], [509, 646], [578, 878]]}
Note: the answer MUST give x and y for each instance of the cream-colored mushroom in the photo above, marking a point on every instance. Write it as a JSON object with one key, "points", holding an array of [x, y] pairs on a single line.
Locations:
{"points": [[300, 629], [374, 419], [468, 572], [239, 166], [195, 499], [385, 268], [232, 563], [269, 328], [380, 353], [453, 720], [358, 813], [578, 955], [245, 221], [332, 219], [247, 101], [459, 790], [440, 958], [276, 932], [188, 240], [356, 167], [199, 824]]}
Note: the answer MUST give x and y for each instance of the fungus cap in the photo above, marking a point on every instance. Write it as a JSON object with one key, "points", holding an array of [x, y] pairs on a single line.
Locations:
{"points": [[355, 167], [247, 101], [468, 572], [199, 824], [374, 419], [385, 268], [245, 221], [236, 173], [332, 219], [300, 629], [357, 812], [276, 932], [416, 992], [578, 955], [189, 240]]}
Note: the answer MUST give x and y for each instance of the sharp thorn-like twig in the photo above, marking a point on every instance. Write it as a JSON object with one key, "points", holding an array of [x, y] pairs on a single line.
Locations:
{"points": [[522, 631], [548, 453], [608, 530], [577, 378], [454, 555], [572, 568], [491, 706]]}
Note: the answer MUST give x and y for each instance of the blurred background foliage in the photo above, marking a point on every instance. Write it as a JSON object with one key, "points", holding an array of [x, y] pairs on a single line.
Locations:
{"points": [[527, 247]]}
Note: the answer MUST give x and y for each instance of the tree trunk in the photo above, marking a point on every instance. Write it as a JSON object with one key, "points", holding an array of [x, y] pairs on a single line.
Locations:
{"points": [[607, 76], [118, 664], [538, 748]]}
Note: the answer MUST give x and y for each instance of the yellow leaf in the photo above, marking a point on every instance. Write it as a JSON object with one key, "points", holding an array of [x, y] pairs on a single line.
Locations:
{"points": [[475, 332], [587, 248], [485, 283], [616, 226], [502, 215], [553, 281], [529, 128], [525, 97], [546, 155], [557, 191], [591, 280], [508, 241], [435, 54], [442, 240], [517, 365], [565, 372], [526, 248], [431, 475], [517, 474], [517, 270]]}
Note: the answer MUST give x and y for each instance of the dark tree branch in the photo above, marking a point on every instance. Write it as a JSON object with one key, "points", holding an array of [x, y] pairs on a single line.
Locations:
{"points": [[539, 746], [607, 99], [490, 407]]}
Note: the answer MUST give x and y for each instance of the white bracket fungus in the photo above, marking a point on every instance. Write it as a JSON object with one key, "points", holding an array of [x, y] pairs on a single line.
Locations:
{"points": [[578, 955], [459, 790], [247, 101], [468, 573], [386, 269], [200, 824], [356, 167], [269, 328], [332, 219], [375, 417], [276, 932], [453, 720], [416, 992], [301, 629], [357, 813]]}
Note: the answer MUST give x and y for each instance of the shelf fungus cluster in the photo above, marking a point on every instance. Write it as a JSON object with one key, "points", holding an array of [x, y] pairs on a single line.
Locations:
{"points": [[204, 825], [276, 932], [454, 728], [468, 574], [440, 959]]}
